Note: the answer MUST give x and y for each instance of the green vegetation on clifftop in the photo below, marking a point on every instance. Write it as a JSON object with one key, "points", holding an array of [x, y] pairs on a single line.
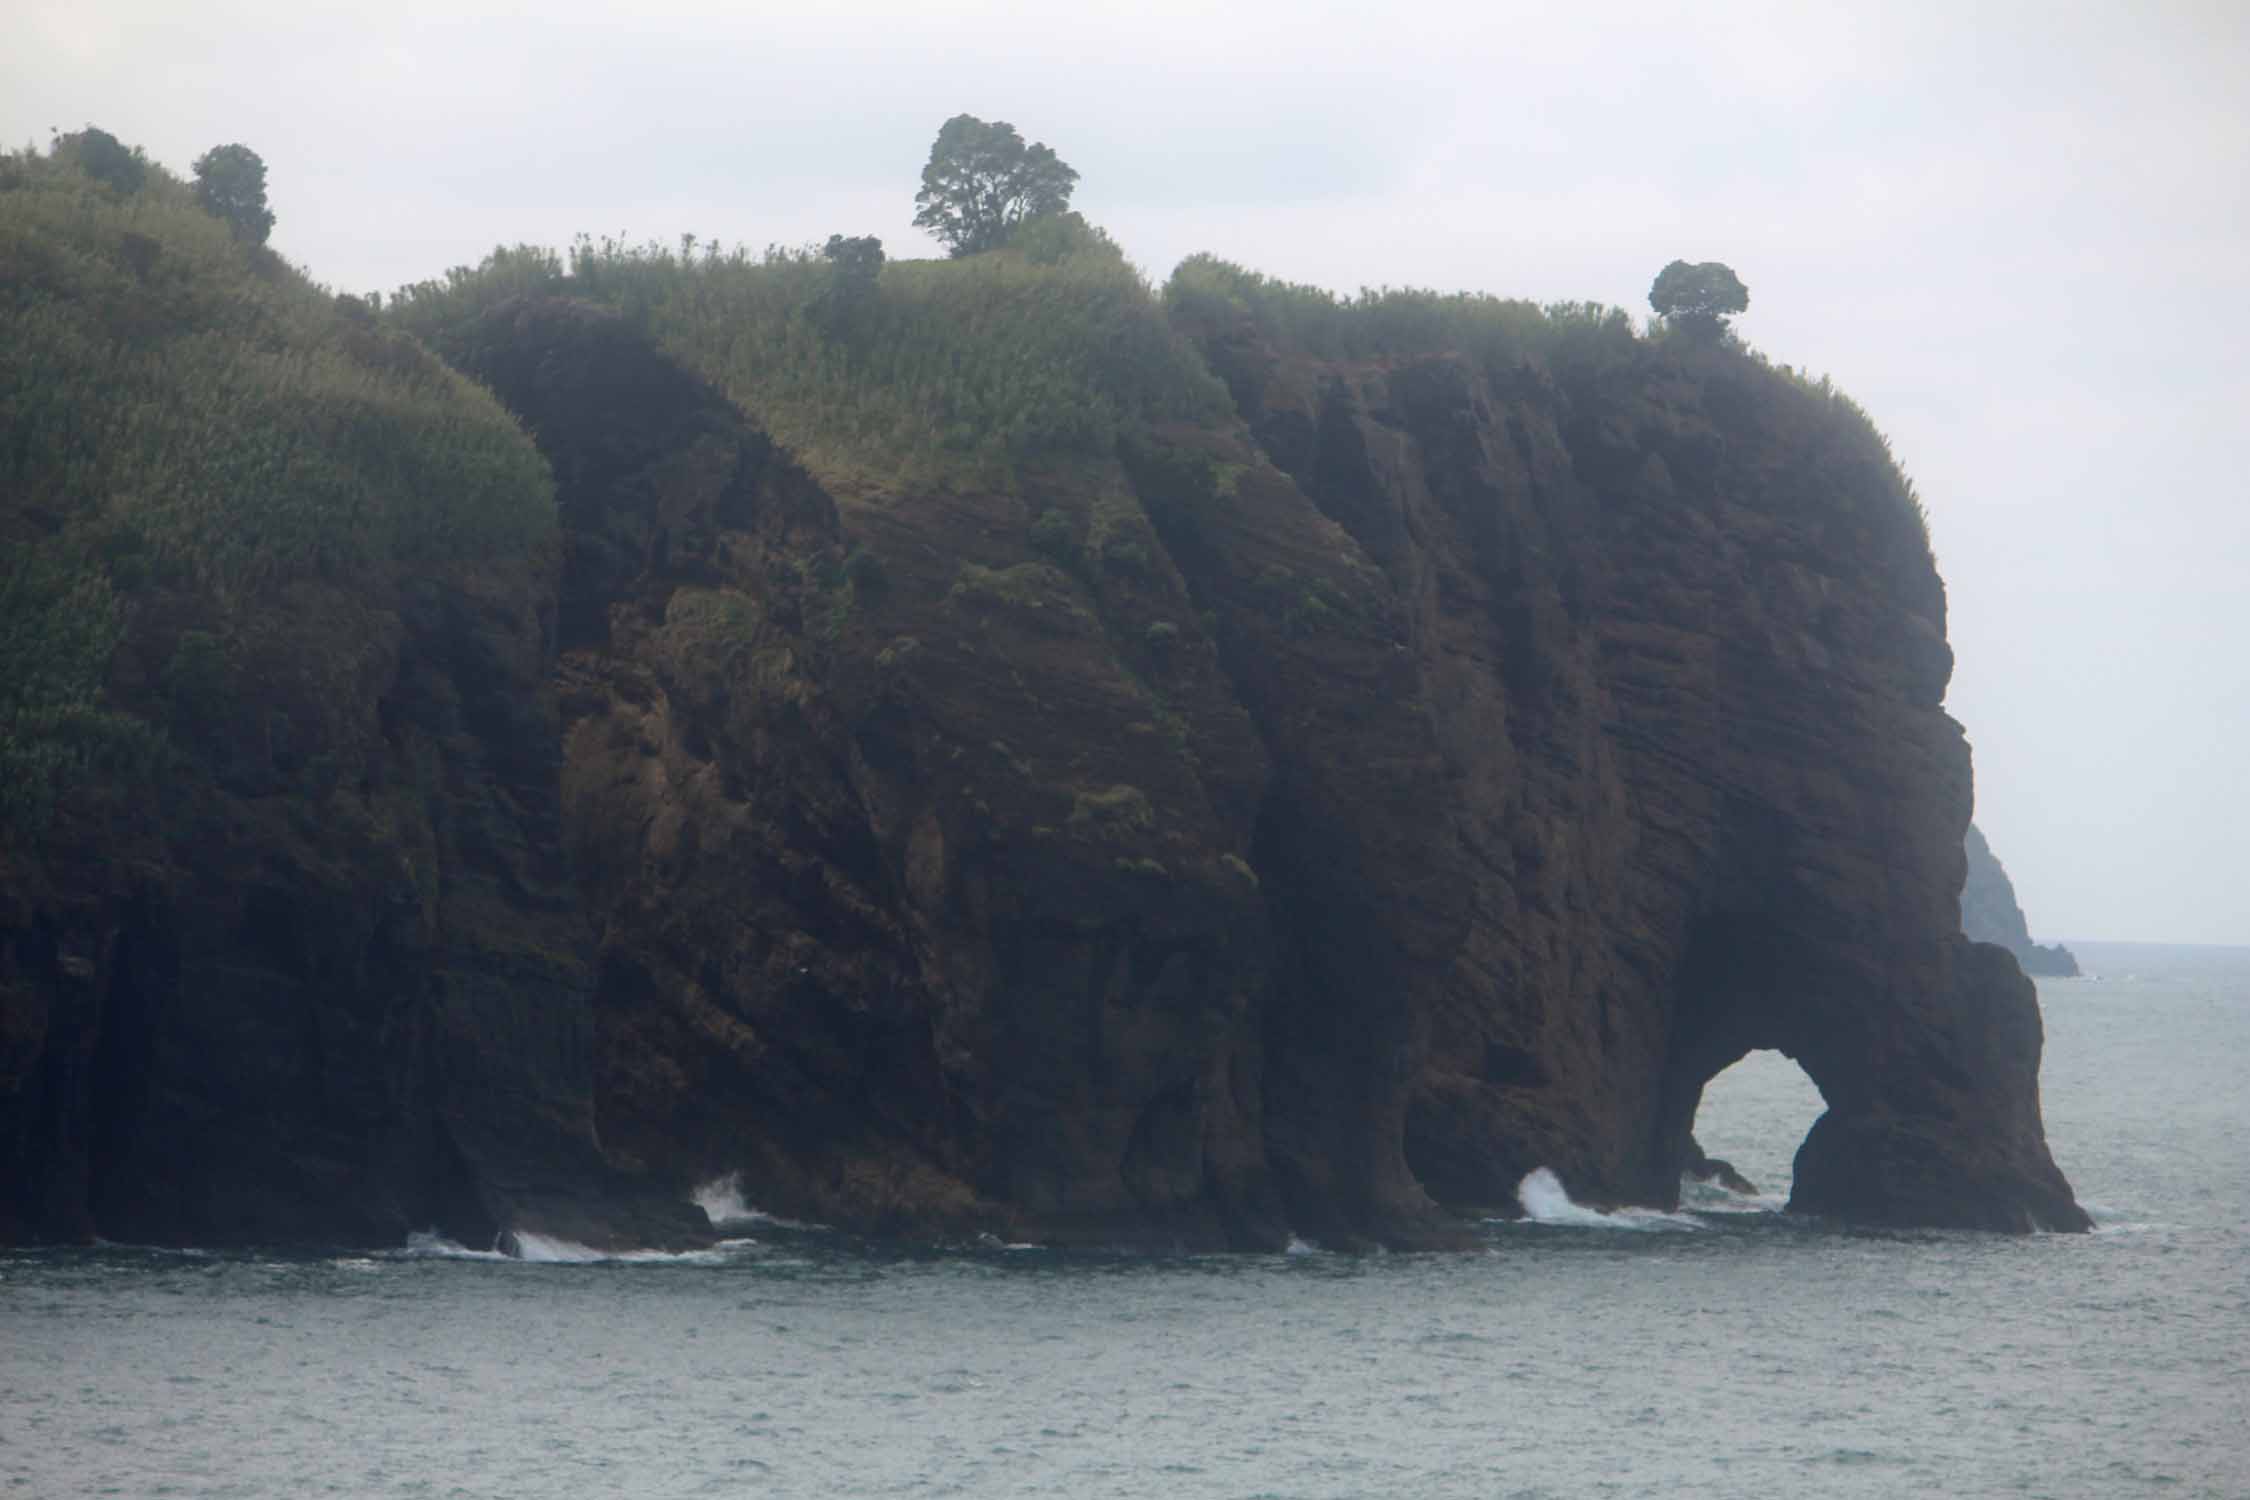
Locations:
{"points": [[1575, 340], [1386, 322], [183, 414], [963, 372]]}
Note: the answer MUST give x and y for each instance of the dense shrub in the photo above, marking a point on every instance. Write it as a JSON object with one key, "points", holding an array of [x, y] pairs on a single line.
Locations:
{"points": [[1577, 342], [103, 158], [180, 411], [1858, 454], [960, 373], [59, 622], [230, 182], [1379, 321]]}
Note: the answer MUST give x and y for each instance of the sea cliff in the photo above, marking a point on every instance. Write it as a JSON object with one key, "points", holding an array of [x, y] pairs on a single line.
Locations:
{"points": [[1001, 751], [1989, 914]]}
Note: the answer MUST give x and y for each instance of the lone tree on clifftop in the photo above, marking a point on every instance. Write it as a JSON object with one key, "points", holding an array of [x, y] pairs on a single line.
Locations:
{"points": [[854, 264], [982, 181], [103, 157], [230, 182], [1698, 299]]}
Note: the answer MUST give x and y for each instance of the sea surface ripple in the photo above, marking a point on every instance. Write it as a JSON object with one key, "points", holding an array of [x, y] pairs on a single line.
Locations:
{"points": [[1728, 1350]]}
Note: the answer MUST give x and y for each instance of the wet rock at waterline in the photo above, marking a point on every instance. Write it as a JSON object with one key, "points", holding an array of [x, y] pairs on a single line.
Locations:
{"points": [[1313, 820], [1702, 1168]]}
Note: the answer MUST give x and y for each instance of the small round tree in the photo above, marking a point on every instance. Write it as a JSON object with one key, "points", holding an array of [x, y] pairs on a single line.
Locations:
{"points": [[982, 181], [855, 262], [858, 259], [1698, 299], [230, 181], [103, 157]]}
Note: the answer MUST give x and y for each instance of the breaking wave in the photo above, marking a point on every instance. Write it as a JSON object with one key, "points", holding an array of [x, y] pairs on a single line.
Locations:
{"points": [[428, 1244], [529, 1247], [1546, 1201], [722, 1203], [554, 1250], [1710, 1198]]}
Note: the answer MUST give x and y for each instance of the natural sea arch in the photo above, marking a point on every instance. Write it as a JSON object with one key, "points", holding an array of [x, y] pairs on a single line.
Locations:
{"points": [[1754, 1114]]}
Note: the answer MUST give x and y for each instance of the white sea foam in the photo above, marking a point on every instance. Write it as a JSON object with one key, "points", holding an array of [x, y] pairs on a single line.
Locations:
{"points": [[722, 1203], [530, 1247], [1546, 1201], [994, 1242], [428, 1244], [1711, 1198], [2110, 1220], [553, 1250], [1297, 1246], [190, 1251], [548, 1249]]}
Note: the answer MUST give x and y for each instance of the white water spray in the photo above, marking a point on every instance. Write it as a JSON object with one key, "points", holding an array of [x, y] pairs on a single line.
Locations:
{"points": [[1546, 1201], [722, 1203]]}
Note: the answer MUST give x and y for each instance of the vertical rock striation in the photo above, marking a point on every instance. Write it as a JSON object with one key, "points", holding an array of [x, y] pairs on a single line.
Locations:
{"points": [[1314, 822], [1674, 648]]}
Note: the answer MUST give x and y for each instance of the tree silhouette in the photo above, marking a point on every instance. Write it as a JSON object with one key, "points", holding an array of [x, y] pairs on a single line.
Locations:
{"points": [[982, 181], [1698, 299], [230, 181], [103, 157]]}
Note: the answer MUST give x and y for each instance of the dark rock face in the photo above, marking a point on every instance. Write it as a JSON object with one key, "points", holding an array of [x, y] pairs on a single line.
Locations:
{"points": [[1989, 914], [1316, 825], [1716, 1169], [911, 901], [1685, 790], [332, 990]]}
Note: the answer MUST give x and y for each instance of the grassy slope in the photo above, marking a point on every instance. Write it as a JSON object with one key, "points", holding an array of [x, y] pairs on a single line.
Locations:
{"points": [[1576, 340], [971, 372], [952, 373], [186, 419], [182, 411]]}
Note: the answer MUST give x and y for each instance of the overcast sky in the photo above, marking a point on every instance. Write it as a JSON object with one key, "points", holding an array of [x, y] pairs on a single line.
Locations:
{"points": [[2019, 235]]}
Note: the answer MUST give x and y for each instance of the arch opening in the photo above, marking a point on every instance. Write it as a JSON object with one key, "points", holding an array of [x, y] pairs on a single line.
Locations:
{"points": [[1749, 1122], [1759, 1054]]}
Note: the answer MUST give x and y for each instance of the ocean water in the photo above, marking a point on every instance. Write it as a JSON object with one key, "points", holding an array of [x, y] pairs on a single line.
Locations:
{"points": [[1727, 1350]]}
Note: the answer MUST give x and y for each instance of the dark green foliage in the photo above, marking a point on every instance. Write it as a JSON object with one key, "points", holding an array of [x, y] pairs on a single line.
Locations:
{"points": [[1127, 557], [1179, 487], [230, 181], [863, 573], [239, 425], [854, 264], [1576, 343], [954, 373], [858, 259], [1054, 537], [430, 309], [1859, 460], [1383, 322], [1053, 238], [103, 157], [199, 680], [177, 421], [1698, 299], [59, 622], [982, 181]]}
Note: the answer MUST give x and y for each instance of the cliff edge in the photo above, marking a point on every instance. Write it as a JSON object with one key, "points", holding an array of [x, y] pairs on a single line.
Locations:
{"points": [[1276, 766], [1989, 914]]}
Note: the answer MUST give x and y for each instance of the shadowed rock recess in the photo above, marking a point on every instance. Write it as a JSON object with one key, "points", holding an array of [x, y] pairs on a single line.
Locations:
{"points": [[1308, 821]]}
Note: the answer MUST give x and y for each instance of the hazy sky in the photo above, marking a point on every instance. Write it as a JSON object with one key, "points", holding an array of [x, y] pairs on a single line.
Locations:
{"points": [[2019, 235]]}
